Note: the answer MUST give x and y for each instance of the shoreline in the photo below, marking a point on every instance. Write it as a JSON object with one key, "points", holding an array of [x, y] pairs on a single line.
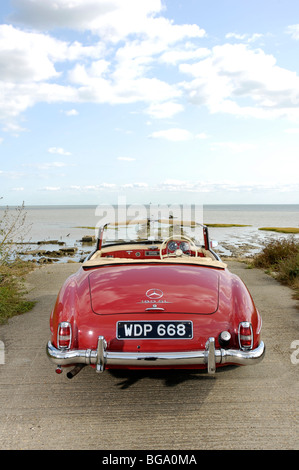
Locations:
{"points": [[234, 241], [57, 233], [49, 253]]}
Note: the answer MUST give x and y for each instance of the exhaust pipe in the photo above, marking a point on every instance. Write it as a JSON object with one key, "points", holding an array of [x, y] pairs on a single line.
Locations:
{"points": [[75, 371]]}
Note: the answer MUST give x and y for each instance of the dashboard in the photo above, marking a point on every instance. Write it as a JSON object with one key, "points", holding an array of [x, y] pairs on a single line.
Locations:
{"points": [[148, 251]]}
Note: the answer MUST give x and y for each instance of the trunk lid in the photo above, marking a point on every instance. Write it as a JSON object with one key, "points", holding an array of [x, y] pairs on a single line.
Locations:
{"points": [[161, 288]]}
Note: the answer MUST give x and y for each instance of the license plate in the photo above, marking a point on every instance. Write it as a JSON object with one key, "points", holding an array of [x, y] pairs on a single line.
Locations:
{"points": [[154, 330]]}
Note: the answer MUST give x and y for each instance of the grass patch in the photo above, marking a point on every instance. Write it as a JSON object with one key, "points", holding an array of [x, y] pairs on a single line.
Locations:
{"points": [[12, 268], [227, 225], [281, 229], [281, 259], [12, 291]]}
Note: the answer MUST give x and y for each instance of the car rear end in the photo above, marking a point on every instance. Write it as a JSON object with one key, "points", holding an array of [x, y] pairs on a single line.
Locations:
{"points": [[159, 316]]}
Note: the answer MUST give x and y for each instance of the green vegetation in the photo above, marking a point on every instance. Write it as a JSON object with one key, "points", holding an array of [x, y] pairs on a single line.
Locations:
{"points": [[12, 292], [226, 225], [281, 258], [281, 229], [12, 268]]}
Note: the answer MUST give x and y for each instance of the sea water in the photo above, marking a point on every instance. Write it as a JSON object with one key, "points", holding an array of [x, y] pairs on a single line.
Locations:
{"points": [[69, 224]]}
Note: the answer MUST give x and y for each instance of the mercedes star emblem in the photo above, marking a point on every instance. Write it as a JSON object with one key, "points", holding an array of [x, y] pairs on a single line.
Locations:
{"points": [[154, 294]]}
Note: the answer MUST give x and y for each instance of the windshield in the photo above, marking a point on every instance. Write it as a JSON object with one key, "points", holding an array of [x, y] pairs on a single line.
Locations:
{"points": [[151, 231]]}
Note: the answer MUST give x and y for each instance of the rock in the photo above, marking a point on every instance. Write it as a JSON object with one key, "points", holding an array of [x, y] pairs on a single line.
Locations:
{"points": [[88, 239], [45, 261], [52, 253], [68, 250], [50, 242], [33, 252]]}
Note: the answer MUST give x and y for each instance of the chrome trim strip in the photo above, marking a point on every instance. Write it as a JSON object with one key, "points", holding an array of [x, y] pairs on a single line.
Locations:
{"points": [[101, 357]]}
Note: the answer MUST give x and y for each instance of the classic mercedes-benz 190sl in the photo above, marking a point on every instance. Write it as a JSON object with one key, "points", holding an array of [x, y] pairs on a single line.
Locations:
{"points": [[154, 295]]}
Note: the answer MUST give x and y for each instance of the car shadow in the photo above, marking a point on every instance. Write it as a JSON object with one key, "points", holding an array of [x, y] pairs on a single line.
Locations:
{"points": [[171, 378]]}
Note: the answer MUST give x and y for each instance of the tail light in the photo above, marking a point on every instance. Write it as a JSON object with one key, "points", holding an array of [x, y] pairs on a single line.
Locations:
{"points": [[64, 335], [245, 335]]}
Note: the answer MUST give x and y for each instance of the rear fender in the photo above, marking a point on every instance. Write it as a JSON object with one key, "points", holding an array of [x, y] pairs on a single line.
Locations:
{"points": [[66, 309], [244, 309]]}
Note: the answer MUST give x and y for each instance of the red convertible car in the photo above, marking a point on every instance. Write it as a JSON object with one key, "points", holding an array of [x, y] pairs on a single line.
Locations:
{"points": [[153, 294]]}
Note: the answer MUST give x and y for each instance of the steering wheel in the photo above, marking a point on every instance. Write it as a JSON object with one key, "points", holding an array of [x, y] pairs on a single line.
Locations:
{"points": [[176, 237]]}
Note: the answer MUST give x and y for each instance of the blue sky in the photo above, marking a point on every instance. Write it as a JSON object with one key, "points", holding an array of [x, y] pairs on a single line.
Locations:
{"points": [[161, 101]]}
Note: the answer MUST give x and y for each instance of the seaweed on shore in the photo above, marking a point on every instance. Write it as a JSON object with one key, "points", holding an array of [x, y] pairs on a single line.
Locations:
{"points": [[227, 225], [281, 229]]}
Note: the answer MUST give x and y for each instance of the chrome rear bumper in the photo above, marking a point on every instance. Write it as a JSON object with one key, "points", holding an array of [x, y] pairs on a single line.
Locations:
{"points": [[101, 358]]}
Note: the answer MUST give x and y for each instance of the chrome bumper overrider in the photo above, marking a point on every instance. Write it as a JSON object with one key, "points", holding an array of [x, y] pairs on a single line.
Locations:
{"points": [[101, 358]]}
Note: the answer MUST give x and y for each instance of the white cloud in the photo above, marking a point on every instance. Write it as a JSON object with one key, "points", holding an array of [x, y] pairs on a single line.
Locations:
{"points": [[49, 165], [236, 36], [235, 147], [12, 174], [293, 30], [112, 19], [45, 166], [238, 80], [174, 135], [107, 187], [294, 131], [244, 37], [202, 136], [51, 188], [222, 187], [177, 134], [28, 59], [59, 151], [71, 112], [254, 37], [123, 85], [12, 127], [174, 56], [135, 185], [27, 62], [203, 186], [26, 56], [126, 159], [164, 110], [130, 39]]}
